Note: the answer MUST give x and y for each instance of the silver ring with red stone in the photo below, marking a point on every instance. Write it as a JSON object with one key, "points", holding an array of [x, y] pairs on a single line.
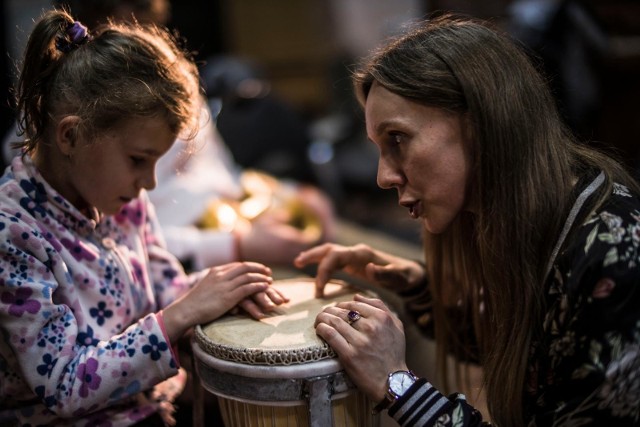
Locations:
{"points": [[353, 316]]}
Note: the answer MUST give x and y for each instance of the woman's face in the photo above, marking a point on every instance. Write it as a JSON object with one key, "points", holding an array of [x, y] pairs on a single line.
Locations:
{"points": [[424, 155]]}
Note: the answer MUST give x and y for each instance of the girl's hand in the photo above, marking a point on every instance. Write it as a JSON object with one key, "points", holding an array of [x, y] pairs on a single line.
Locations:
{"points": [[369, 348], [258, 304], [220, 290], [377, 267]]}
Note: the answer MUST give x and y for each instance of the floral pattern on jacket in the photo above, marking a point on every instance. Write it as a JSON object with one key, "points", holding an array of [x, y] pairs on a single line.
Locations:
{"points": [[80, 334], [586, 368]]}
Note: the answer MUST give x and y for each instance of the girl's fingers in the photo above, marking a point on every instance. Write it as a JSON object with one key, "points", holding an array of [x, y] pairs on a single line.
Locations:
{"points": [[276, 296], [264, 301], [232, 270], [252, 308], [248, 289]]}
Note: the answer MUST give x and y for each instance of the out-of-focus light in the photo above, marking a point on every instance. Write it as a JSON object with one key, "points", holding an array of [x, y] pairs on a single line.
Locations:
{"points": [[320, 152]]}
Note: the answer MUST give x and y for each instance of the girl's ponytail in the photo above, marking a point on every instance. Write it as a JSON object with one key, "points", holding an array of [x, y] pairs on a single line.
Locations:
{"points": [[48, 43]]}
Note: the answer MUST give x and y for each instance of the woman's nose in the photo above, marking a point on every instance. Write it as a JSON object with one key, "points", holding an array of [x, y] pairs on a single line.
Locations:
{"points": [[388, 175]]}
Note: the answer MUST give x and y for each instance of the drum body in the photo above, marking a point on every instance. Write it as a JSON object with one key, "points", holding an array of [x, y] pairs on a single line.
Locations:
{"points": [[277, 372]]}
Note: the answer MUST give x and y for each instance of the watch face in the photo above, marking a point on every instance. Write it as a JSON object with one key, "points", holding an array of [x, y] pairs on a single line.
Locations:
{"points": [[399, 382]]}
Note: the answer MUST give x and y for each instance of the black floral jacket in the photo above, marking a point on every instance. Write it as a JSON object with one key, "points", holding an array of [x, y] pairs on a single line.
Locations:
{"points": [[586, 368]]}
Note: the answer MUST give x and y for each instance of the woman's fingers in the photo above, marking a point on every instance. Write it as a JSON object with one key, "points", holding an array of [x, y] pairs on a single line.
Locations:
{"points": [[333, 330], [368, 339]]}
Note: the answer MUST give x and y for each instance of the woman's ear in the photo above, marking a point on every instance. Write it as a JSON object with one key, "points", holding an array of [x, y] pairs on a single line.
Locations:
{"points": [[66, 134]]}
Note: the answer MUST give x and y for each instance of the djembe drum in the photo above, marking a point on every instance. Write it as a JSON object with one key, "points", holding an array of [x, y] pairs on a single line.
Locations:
{"points": [[277, 372]]}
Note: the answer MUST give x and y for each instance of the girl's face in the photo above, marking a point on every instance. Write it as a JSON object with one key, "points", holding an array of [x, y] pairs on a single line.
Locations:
{"points": [[424, 155], [110, 171]]}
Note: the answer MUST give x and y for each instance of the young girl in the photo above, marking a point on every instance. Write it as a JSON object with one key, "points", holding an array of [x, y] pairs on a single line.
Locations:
{"points": [[90, 300]]}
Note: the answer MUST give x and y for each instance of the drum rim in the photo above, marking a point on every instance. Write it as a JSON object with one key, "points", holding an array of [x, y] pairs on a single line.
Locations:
{"points": [[297, 371], [256, 356]]}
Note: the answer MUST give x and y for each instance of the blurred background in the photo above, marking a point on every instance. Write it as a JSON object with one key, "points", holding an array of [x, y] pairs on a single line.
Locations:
{"points": [[277, 76]]}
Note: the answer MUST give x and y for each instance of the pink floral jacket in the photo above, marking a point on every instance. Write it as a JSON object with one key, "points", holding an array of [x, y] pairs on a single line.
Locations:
{"points": [[81, 337]]}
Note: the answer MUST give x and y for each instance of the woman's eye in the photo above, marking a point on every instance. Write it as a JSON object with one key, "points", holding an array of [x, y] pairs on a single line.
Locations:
{"points": [[137, 160], [396, 139]]}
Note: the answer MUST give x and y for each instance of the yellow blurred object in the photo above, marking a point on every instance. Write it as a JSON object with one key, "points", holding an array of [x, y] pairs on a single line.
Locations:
{"points": [[304, 219], [219, 215], [258, 183], [251, 207], [262, 193]]}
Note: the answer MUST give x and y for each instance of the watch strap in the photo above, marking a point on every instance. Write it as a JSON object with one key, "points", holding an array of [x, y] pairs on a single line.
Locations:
{"points": [[385, 403], [389, 398]]}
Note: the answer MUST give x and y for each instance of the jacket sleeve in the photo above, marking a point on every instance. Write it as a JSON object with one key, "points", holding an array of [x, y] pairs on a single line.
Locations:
{"points": [[72, 372], [423, 405], [462, 342]]}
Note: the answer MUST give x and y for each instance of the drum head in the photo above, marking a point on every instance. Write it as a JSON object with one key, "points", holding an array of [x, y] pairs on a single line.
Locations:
{"points": [[286, 336]]}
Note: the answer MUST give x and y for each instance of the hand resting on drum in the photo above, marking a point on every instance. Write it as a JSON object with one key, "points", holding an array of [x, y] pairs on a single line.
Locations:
{"points": [[375, 266], [238, 283], [359, 344]]}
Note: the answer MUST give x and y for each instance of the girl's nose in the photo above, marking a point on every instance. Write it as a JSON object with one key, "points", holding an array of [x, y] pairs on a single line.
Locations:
{"points": [[148, 180]]}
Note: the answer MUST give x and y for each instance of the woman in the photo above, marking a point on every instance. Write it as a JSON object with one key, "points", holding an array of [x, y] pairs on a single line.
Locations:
{"points": [[530, 241]]}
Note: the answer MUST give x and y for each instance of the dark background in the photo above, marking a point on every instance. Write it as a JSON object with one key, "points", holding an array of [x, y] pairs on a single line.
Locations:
{"points": [[303, 50]]}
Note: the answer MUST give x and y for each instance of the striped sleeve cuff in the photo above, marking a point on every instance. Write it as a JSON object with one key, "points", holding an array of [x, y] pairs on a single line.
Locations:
{"points": [[422, 404]]}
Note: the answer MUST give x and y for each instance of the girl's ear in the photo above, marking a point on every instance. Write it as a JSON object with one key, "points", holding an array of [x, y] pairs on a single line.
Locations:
{"points": [[66, 134]]}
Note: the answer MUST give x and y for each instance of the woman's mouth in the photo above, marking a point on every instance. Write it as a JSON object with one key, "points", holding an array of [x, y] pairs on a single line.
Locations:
{"points": [[414, 209]]}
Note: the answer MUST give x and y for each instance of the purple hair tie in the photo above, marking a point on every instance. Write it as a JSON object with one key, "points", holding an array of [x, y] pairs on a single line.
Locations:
{"points": [[76, 35]]}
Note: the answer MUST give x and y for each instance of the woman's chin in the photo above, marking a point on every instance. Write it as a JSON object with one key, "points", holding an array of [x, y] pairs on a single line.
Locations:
{"points": [[434, 226]]}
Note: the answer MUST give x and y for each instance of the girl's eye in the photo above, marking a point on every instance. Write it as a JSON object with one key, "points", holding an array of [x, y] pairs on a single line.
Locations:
{"points": [[137, 160]]}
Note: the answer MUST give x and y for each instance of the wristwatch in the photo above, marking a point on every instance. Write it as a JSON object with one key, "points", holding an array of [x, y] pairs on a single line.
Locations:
{"points": [[398, 383]]}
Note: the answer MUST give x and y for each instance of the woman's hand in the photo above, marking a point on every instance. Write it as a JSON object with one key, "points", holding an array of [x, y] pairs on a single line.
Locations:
{"points": [[219, 291], [377, 267], [369, 348]]}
